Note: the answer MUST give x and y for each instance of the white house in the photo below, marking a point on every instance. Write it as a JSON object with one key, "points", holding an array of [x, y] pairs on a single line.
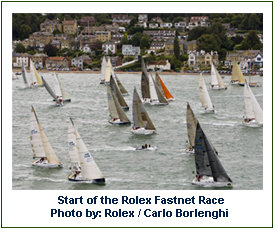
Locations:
{"points": [[109, 47], [22, 59], [153, 25], [166, 25], [181, 26], [77, 62], [162, 65], [129, 50]]}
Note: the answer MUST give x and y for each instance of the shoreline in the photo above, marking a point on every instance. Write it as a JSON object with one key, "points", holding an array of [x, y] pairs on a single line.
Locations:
{"points": [[99, 72]]}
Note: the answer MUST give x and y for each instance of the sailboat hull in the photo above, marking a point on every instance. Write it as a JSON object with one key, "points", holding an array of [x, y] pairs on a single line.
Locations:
{"points": [[153, 148], [209, 111], [191, 151], [208, 181], [142, 131], [253, 123], [241, 84], [157, 103], [118, 122], [234, 82], [45, 164], [83, 179], [217, 87]]}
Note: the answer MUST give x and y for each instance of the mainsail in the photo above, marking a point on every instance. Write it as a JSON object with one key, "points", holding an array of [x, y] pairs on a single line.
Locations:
{"points": [[145, 89], [252, 107], [35, 76], [108, 71], [121, 87], [24, 75], [50, 91], [118, 94], [204, 96], [85, 161], [216, 79], [114, 107], [140, 115], [40, 144], [64, 93], [237, 75], [191, 125], [207, 162], [155, 89]]}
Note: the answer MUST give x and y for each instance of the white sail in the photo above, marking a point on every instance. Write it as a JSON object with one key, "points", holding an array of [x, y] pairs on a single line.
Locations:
{"points": [[89, 169], [35, 137], [45, 149], [204, 95], [36, 80], [57, 89], [216, 80], [73, 149], [64, 93], [252, 107], [24, 75], [108, 71], [153, 92], [103, 68]]}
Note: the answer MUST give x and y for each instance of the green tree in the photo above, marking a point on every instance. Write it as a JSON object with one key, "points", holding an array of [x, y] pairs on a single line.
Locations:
{"points": [[254, 22], [145, 42], [178, 19], [50, 50], [20, 48], [136, 39], [251, 41], [207, 43], [56, 31], [176, 47], [133, 22], [197, 32], [24, 31]]}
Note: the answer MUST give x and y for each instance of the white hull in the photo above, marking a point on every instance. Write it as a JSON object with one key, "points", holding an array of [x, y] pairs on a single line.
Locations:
{"points": [[36, 85], [191, 151], [234, 83], [209, 111], [170, 99], [142, 131], [153, 148], [217, 87], [45, 164], [252, 123], [118, 122], [207, 181], [157, 103]]}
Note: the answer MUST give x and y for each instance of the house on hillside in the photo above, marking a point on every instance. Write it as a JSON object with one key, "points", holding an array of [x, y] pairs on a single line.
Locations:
{"points": [[58, 62], [109, 47], [159, 65], [130, 50]]}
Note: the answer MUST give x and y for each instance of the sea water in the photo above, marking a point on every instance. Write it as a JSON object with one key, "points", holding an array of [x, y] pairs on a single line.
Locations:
{"points": [[113, 147]]}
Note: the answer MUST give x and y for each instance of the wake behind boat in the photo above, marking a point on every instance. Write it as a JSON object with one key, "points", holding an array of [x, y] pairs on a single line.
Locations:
{"points": [[146, 148], [83, 165], [41, 146], [209, 170]]}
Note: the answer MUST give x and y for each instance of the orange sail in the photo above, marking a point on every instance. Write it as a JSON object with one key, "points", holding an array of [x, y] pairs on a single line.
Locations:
{"points": [[167, 94]]}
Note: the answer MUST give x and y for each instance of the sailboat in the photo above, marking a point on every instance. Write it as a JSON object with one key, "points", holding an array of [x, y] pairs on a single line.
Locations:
{"points": [[108, 72], [191, 123], [123, 91], [116, 112], [118, 94], [209, 170], [141, 120], [237, 76], [41, 146], [103, 70], [162, 87], [64, 93], [204, 96], [145, 88], [14, 77], [57, 95], [25, 76], [216, 80], [36, 80], [156, 97], [149, 90], [254, 112], [82, 163]]}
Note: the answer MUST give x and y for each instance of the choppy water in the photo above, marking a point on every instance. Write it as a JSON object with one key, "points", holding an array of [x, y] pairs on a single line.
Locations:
{"points": [[113, 147]]}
